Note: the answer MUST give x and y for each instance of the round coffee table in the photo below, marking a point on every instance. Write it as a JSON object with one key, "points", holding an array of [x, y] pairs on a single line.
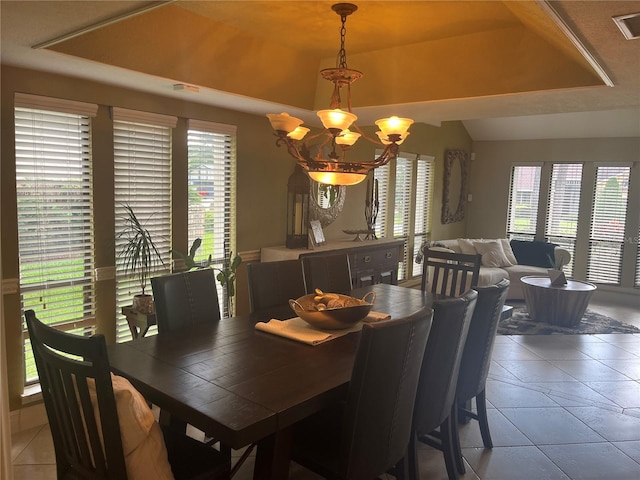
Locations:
{"points": [[562, 305]]}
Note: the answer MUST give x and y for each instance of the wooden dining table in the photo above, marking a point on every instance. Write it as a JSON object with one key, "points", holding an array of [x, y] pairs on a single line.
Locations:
{"points": [[245, 386]]}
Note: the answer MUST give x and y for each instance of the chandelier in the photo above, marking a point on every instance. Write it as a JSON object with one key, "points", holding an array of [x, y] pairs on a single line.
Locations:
{"points": [[324, 161]]}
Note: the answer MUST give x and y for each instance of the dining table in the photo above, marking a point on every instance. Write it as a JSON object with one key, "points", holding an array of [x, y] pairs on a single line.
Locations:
{"points": [[246, 386]]}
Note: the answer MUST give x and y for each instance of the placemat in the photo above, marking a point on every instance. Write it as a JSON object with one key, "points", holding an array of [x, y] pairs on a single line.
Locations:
{"points": [[297, 329]]}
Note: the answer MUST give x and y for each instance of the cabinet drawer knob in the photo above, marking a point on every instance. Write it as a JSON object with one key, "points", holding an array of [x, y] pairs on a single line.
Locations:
{"points": [[367, 259], [388, 255]]}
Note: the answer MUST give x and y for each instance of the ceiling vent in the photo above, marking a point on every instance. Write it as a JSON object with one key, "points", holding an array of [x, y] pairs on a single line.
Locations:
{"points": [[629, 25]]}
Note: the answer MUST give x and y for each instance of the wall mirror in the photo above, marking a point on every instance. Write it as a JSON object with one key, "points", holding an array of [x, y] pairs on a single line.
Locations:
{"points": [[454, 192], [326, 202]]}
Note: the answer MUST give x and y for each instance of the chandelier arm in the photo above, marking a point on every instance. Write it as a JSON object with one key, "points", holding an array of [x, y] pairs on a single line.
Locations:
{"points": [[367, 137]]}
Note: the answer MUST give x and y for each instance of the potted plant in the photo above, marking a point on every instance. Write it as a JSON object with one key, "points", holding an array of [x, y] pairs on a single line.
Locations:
{"points": [[139, 256], [227, 278]]}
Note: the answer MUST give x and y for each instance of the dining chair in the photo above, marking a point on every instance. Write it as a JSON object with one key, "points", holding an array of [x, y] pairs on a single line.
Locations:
{"points": [[449, 273], [185, 298], [368, 433], [475, 363], [272, 284], [329, 273], [89, 414], [438, 380]]}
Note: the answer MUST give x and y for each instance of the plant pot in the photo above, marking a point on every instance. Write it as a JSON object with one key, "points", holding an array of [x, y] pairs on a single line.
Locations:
{"points": [[143, 304]]}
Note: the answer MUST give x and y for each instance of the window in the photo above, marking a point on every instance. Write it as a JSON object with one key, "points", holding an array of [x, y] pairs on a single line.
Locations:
{"points": [[382, 175], [55, 234], [422, 218], [410, 201], [564, 203], [523, 201], [608, 219], [142, 170], [211, 182]]}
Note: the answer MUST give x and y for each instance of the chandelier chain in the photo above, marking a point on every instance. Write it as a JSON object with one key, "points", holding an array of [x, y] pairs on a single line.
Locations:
{"points": [[342, 54]]}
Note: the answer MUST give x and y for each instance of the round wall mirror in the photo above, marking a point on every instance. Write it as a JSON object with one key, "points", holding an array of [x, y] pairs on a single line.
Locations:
{"points": [[326, 202]]}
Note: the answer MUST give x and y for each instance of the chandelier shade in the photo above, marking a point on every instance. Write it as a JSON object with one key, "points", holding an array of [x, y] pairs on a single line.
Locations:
{"points": [[323, 155]]}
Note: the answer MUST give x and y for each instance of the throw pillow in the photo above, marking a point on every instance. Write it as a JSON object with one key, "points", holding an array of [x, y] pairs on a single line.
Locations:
{"points": [[536, 254], [492, 253], [506, 246], [145, 454], [467, 246]]}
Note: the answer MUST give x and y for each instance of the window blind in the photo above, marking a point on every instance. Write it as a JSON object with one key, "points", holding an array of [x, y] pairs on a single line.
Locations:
{"points": [[523, 201], [422, 218], [142, 173], [211, 184], [382, 175], [402, 208], [608, 219], [561, 225], [55, 232]]}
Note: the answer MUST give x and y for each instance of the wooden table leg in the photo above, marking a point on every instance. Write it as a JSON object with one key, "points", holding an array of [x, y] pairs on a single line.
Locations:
{"points": [[273, 456]]}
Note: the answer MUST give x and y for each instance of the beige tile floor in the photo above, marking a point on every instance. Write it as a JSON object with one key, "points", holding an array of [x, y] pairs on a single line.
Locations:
{"points": [[561, 407]]}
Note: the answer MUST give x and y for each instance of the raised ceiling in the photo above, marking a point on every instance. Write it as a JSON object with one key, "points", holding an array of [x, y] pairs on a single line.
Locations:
{"points": [[430, 60]]}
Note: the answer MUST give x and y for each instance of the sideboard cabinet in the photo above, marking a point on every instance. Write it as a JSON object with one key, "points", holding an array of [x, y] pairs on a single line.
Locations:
{"points": [[371, 261]]}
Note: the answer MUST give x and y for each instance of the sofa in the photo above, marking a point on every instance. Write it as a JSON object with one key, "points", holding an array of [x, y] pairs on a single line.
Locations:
{"points": [[513, 259]]}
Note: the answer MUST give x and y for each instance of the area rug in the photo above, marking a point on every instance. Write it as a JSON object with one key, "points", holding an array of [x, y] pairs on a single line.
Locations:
{"points": [[592, 323]]}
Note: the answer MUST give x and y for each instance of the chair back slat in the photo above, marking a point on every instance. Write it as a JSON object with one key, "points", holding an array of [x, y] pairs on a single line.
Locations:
{"points": [[449, 273]]}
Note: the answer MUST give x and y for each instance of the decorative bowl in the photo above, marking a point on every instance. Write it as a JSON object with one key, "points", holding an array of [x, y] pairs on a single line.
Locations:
{"points": [[354, 310]]}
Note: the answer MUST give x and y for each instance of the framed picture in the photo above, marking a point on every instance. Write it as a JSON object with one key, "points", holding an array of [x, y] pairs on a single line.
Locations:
{"points": [[316, 233]]}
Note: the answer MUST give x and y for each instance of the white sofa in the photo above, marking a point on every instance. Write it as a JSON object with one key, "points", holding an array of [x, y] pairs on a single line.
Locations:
{"points": [[490, 272]]}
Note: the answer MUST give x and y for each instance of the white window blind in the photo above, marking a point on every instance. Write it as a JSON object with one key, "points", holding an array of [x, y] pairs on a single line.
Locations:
{"points": [[402, 209], [142, 159], [382, 175], [608, 220], [422, 219], [564, 202], [405, 188], [211, 183], [55, 233], [523, 201]]}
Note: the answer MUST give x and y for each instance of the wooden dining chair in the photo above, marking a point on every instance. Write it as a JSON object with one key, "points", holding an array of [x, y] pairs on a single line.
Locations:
{"points": [[438, 380], [88, 444], [272, 284], [475, 363], [329, 273], [185, 298], [368, 434], [449, 273]]}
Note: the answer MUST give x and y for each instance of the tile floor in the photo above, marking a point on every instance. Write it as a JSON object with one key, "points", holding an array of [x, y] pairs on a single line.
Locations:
{"points": [[561, 407]]}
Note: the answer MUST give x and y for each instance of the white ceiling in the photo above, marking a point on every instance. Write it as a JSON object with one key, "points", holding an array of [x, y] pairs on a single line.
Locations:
{"points": [[589, 111]]}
